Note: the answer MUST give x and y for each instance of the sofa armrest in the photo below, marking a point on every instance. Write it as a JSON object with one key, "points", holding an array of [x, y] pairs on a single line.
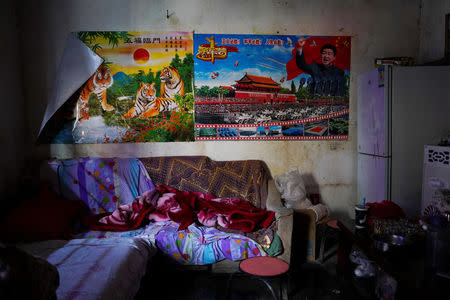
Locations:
{"points": [[284, 231], [284, 217]]}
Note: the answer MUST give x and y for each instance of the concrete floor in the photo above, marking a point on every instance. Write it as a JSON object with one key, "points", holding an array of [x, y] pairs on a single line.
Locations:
{"points": [[310, 281]]}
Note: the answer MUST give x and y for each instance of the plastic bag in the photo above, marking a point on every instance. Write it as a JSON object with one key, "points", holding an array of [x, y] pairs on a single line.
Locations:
{"points": [[365, 268], [292, 189]]}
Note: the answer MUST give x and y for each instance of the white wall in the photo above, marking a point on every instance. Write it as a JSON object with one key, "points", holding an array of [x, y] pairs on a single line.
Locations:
{"points": [[12, 109], [379, 28], [432, 30]]}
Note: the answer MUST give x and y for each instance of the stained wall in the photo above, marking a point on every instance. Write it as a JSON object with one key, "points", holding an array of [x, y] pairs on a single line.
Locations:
{"points": [[432, 30], [378, 29]]}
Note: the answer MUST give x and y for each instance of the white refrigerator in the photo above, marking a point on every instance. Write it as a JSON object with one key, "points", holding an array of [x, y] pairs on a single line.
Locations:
{"points": [[399, 110]]}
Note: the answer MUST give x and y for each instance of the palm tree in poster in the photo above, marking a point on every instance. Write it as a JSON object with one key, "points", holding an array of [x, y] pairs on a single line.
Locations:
{"points": [[113, 38]]}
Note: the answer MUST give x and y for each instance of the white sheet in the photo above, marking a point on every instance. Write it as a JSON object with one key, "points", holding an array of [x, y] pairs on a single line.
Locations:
{"points": [[99, 268]]}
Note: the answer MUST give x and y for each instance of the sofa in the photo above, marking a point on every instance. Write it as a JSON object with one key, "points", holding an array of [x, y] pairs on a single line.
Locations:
{"points": [[246, 179], [107, 264]]}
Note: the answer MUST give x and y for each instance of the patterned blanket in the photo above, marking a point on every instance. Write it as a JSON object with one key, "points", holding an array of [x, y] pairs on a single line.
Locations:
{"points": [[195, 245], [106, 184], [102, 183], [246, 179], [200, 245]]}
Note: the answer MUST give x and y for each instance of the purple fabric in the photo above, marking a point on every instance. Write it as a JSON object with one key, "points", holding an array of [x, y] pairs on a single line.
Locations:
{"points": [[82, 178], [102, 183], [196, 245], [200, 245]]}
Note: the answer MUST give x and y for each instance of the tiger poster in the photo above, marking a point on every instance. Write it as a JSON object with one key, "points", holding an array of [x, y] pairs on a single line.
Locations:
{"points": [[271, 87], [141, 92]]}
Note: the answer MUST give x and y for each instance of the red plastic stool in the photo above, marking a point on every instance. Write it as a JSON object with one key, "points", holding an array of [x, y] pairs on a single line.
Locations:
{"points": [[264, 268]]}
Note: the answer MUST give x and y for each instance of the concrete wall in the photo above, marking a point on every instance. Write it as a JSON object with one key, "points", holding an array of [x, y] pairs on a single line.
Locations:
{"points": [[12, 111], [432, 30], [330, 165]]}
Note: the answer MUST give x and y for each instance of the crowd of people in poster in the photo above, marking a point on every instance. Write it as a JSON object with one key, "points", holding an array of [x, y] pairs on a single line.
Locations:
{"points": [[180, 86]]}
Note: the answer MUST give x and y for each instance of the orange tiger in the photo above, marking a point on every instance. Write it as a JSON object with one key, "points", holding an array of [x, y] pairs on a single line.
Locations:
{"points": [[171, 83], [145, 100], [148, 105], [97, 83]]}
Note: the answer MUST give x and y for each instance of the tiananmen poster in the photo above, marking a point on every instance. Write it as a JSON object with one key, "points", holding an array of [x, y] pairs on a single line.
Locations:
{"points": [[271, 87]]}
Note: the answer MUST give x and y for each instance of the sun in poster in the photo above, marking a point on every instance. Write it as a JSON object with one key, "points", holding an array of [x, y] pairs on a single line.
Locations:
{"points": [[141, 56]]}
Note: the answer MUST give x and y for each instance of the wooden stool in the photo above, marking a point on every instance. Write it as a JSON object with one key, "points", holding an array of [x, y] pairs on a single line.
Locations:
{"points": [[264, 268]]}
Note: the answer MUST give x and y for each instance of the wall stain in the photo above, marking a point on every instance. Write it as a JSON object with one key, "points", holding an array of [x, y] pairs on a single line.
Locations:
{"points": [[173, 19], [335, 184]]}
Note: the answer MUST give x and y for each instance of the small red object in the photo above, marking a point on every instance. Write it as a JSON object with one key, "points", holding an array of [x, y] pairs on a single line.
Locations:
{"points": [[264, 266], [317, 129], [333, 224], [384, 210]]}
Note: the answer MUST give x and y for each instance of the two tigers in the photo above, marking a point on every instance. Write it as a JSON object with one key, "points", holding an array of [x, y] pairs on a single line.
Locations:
{"points": [[148, 105]]}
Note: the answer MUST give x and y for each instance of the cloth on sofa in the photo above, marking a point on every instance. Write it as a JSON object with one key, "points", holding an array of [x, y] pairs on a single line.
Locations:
{"points": [[209, 210], [102, 183], [195, 245], [200, 245], [126, 217], [96, 268], [165, 203], [184, 241], [247, 179], [244, 179]]}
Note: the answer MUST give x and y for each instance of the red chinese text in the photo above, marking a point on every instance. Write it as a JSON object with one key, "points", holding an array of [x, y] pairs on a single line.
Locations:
{"points": [[226, 41], [274, 42], [252, 42]]}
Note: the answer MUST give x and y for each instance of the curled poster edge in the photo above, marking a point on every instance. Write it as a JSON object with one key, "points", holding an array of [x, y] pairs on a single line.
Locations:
{"points": [[78, 63]]}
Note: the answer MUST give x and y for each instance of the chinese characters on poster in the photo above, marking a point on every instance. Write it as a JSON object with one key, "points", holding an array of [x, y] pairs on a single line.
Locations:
{"points": [[271, 87], [142, 92]]}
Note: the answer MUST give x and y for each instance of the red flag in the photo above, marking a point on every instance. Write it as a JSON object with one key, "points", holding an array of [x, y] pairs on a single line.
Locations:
{"points": [[311, 51]]}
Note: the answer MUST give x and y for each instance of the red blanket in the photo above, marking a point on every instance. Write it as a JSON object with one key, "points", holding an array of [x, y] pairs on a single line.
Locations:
{"points": [[165, 203], [125, 217]]}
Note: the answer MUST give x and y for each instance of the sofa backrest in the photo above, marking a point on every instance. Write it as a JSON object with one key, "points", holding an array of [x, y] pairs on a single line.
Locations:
{"points": [[101, 183], [244, 179]]}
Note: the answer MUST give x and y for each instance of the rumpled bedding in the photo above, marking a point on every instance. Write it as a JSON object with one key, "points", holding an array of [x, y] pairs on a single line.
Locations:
{"points": [[165, 203], [200, 245], [186, 207], [195, 245], [121, 262], [115, 188], [102, 183], [243, 179]]}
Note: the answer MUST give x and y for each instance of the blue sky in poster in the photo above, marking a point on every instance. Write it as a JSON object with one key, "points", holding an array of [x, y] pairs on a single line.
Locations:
{"points": [[261, 60], [267, 59]]}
